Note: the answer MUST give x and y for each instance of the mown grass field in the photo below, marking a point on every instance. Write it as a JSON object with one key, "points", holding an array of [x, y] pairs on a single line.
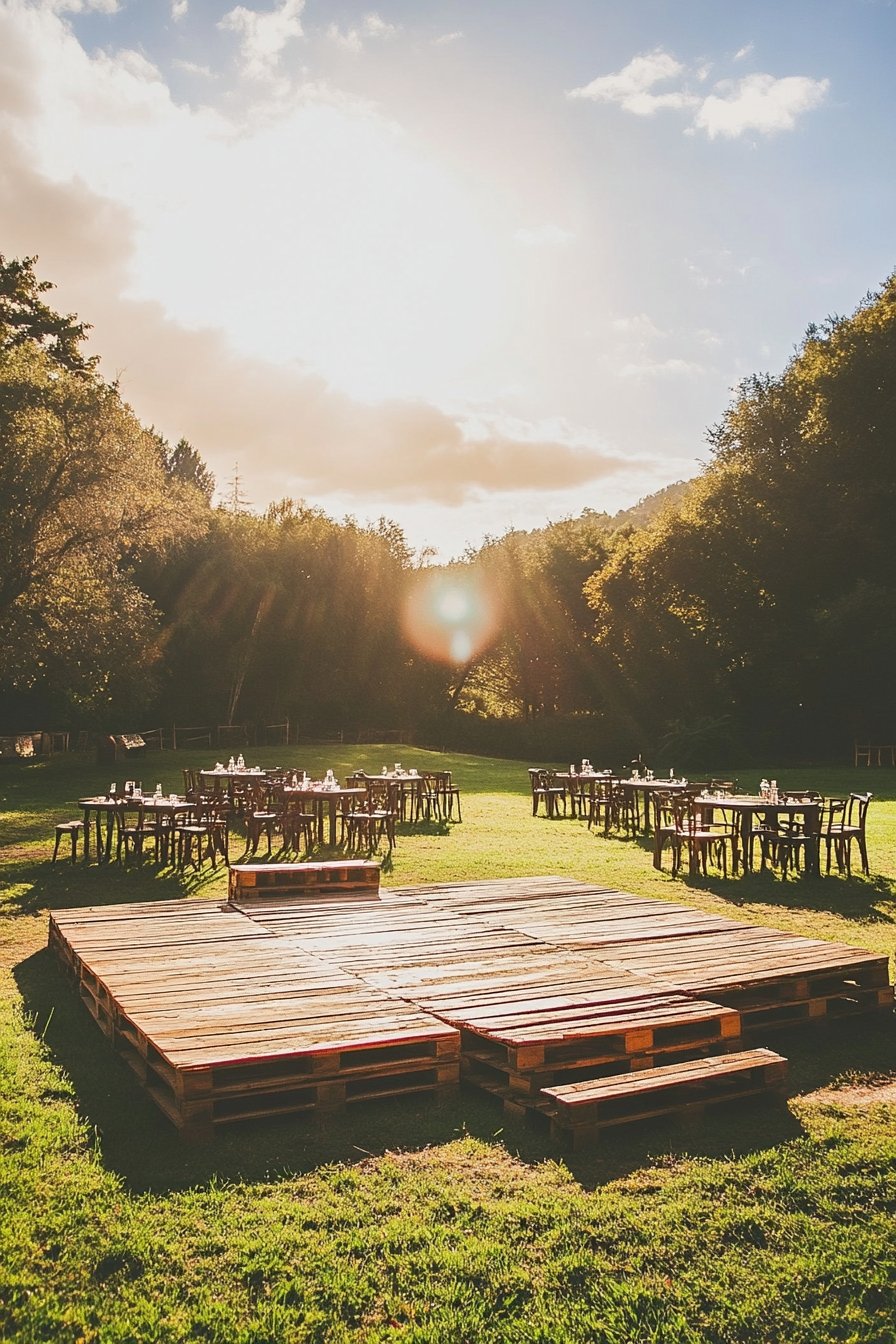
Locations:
{"points": [[413, 1222]]}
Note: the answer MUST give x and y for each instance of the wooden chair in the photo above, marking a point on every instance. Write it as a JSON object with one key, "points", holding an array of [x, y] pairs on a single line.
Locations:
{"points": [[72, 829], [429, 804], [666, 829], [545, 790], [705, 840], [263, 814], [204, 836], [131, 835], [367, 825], [831, 821], [793, 840], [853, 831], [449, 795], [603, 801], [299, 828]]}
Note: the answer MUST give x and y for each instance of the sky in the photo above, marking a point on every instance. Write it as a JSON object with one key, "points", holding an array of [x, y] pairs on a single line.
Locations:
{"points": [[469, 265]]}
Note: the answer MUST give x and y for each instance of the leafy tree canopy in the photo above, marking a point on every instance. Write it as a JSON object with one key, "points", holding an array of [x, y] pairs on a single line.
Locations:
{"points": [[25, 317]]}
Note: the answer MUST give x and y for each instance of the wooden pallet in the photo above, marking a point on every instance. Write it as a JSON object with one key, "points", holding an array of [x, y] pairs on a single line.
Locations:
{"points": [[250, 883], [580, 1111], [241, 1023]]}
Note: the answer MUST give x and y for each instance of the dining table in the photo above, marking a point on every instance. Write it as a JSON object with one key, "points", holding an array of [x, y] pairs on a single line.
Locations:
{"points": [[99, 812], [745, 806], [324, 800], [581, 786], [641, 790], [231, 782]]}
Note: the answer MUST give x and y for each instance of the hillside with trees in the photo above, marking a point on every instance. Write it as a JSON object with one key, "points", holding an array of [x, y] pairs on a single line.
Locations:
{"points": [[750, 608]]}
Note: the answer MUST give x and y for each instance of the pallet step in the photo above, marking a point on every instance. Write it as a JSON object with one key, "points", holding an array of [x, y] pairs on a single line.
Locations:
{"points": [[581, 1110], [252, 881]]}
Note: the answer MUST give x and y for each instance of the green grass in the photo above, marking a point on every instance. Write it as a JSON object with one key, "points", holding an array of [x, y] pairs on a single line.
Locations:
{"points": [[411, 1222]]}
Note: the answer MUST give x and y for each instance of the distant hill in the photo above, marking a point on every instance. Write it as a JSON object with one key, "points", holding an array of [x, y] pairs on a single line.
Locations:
{"points": [[642, 513]]}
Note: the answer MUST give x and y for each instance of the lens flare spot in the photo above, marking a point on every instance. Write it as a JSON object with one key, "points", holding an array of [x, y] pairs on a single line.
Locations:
{"points": [[450, 617]]}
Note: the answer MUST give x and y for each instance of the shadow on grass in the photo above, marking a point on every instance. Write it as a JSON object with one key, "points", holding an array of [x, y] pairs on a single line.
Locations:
{"points": [[855, 897], [62, 886], [138, 1143]]}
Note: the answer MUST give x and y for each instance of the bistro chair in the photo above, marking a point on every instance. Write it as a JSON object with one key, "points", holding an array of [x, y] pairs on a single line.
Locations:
{"points": [[666, 829], [429, 805], [204, 836], [365, 826], [449, 795], [705, 840], [831, 822], [794, 840], [72, 829], [263, 812], [854, 829], [299, 828], [603, 802], [130, 836], [546, 790]]}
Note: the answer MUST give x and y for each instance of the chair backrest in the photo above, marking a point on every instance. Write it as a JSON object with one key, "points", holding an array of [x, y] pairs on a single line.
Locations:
{"points": [[832, 815], [380, 792], [857, 809], [665, 816]]}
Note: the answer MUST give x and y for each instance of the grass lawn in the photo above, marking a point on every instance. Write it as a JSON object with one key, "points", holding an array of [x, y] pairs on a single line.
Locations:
{"points": [[414, 1222]]}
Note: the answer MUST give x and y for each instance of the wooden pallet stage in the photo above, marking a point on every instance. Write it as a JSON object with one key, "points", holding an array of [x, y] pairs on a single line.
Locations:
{"points": [[283, 1000]]}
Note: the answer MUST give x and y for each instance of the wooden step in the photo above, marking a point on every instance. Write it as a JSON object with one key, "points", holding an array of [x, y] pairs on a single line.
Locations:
{"points": [[581, 1110], [249, 881]]}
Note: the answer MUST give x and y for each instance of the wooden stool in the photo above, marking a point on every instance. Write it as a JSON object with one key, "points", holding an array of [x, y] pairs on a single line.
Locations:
{"points": [[72, 829]]}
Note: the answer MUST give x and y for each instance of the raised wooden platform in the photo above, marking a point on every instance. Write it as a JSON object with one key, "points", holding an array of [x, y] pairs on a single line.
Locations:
{"points": [[278, 1001]]}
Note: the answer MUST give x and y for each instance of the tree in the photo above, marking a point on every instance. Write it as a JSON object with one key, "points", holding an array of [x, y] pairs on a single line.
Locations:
{"points": [[25, 317], [764, 597], [183, 464], [84, 497]]}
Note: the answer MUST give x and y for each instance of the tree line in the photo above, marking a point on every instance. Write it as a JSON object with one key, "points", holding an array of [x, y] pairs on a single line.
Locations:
{"points": [[748, 610]]}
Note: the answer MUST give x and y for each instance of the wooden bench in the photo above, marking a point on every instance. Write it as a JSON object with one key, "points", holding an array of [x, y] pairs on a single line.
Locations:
{"points": [[254, 881], [579, 1111]]}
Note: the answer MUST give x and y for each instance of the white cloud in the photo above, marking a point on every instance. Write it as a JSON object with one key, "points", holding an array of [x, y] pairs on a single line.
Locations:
{"points": [[759, 103], [264, 35], [630, 88], [661, 368], [372, 26], [718, 267], [191, 68], [639, 327], [148, 216], [544, 235], [179, 9], [83, 6], [743, 53], [446, 38]]}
